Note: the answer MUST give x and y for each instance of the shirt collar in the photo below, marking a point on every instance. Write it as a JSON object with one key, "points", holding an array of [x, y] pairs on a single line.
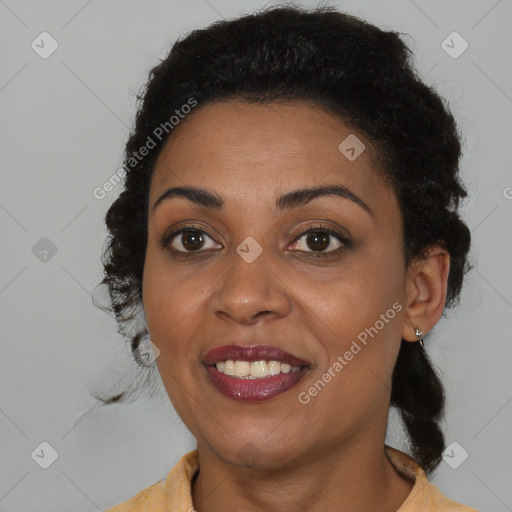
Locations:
{"points": [[178, 485]]}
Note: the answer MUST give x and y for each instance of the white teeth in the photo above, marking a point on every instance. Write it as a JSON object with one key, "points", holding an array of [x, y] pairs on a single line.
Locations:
{"points": [[274, 367], [285, 368], [254, 369], [229, 368], [259, 369], [242, 368]]}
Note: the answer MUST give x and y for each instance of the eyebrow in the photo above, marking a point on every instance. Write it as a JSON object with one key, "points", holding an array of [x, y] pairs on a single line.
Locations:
{"points": [[286, 201]]}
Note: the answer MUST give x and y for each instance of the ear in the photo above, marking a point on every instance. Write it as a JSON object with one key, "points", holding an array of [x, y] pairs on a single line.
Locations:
{"points": [[427, 282]]}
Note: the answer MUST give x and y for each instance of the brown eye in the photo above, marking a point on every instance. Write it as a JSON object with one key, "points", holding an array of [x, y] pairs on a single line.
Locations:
{"points": [[192, 240], [318, 239], [187, 240]]}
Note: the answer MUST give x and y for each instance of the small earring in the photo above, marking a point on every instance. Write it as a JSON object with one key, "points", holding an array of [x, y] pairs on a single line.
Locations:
{"points": [[419, 335]]}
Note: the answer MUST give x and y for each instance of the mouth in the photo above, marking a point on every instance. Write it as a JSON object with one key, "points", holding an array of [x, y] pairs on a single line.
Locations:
{"points": [[253, 373]]}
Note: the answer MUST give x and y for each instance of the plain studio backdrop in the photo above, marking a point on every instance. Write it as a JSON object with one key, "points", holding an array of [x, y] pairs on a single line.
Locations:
{"points": [[70, 71]]}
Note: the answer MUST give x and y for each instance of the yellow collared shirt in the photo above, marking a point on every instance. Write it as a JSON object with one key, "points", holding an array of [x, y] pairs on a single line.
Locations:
{"points": [[174, 494]]}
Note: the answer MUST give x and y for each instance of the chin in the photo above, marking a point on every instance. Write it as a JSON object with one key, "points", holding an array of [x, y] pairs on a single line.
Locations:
{"points": [[257, 453]]}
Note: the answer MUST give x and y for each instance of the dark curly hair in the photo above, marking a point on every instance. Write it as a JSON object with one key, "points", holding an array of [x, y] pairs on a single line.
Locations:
{"points": [[353, 69]]}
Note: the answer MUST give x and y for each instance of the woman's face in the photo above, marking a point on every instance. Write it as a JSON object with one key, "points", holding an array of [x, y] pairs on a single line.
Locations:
{"points": [[252, 276]]}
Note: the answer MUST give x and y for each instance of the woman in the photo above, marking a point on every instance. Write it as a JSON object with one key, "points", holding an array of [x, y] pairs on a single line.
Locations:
{"points": [[289, 228]]}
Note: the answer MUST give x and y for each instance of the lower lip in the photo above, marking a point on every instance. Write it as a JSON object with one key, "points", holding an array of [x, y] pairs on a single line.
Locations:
{"points": [[254, 390]]}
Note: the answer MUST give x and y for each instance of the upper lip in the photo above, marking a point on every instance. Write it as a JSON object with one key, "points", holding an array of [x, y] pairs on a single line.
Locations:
{"points": [[254, 353]]}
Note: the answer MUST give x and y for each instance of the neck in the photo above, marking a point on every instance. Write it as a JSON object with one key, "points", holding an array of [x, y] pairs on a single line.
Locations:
{"points": [[341, 476]]}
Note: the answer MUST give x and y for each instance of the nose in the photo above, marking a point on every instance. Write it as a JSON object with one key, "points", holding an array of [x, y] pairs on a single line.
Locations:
{"points": [[248, 292]]}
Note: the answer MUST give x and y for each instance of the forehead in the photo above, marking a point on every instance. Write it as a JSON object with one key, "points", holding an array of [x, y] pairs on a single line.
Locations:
{"points": [[252, 151]]}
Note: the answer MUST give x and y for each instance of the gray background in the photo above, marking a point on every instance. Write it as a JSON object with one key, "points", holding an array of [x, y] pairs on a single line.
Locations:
{"points": [[65, 120]]}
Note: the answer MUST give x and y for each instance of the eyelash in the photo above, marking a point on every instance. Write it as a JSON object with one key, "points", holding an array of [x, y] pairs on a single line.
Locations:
{"points": [[319, 228]]}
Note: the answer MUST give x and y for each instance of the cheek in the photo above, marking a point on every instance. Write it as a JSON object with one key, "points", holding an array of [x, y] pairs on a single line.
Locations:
{"points": [[358, 317], [356, 296], [171, 304], [361, 346]]}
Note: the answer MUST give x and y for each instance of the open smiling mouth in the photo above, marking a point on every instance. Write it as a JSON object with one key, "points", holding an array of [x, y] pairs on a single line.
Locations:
{"points": [[253, 373]]}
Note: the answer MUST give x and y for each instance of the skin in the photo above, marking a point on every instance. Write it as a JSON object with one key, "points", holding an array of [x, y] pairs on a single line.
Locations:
{"points": [[289, 298]]}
